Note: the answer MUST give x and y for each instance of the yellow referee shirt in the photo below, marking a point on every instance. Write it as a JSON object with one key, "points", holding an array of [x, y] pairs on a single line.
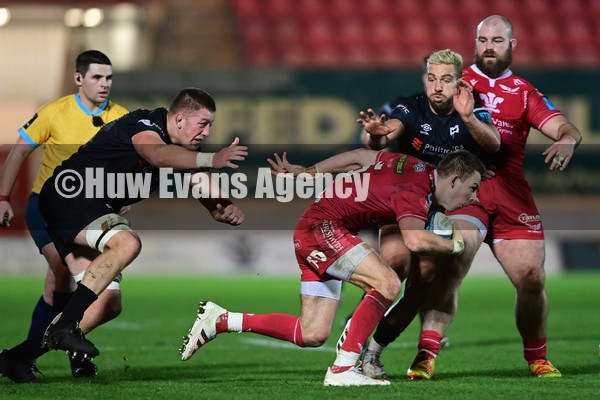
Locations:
{"points": [[62, 126]]}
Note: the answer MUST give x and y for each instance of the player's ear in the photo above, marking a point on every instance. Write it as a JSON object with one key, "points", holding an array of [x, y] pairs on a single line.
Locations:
{"points": [[454, 181], [78, 78]]}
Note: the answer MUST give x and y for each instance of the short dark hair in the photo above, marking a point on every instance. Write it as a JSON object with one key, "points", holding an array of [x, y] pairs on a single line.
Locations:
{"points": [[462, 163], [192, 99], [83, 60]]}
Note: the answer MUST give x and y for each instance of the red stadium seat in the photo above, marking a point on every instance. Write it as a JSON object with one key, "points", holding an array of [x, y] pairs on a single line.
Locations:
{"points": [[375, 9], [536, 10], [363, 33], [406, 10], [344, 9], [286, 32], [311, 9], [248, 10], [557, 57], [277, 10], [256, 34], [434, 9], [568, 10]]}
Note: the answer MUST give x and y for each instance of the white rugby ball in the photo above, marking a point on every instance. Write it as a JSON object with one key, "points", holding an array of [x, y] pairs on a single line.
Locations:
{"points": [[440, 224]]}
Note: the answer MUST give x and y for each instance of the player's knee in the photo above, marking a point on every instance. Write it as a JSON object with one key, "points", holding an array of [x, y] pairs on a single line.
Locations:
{"points": [[314, 334], [127, 244], [390, 287], [534, 277], [315, 338]]}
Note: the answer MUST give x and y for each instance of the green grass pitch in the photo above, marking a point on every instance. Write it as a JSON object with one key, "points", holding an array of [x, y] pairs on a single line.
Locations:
{"points": [[140, 358]]}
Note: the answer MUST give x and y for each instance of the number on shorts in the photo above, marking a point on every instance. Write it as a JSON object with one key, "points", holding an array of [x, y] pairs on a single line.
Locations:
{"points": [[315, 257]]}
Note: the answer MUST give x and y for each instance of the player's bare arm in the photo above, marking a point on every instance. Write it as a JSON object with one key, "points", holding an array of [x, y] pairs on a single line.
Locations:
{"points": [[422, 242], [10, 170], [566, 136], [486, 135], [343, 162], [381, 132], [153, 149]]}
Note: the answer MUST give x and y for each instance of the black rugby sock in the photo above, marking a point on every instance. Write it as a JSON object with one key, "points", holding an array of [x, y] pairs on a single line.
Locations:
{"points": [[82, 298], [386, 333]]}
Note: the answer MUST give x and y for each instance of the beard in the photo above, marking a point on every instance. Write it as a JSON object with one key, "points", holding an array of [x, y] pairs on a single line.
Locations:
{"points": [[494, 68], [443, 108]]}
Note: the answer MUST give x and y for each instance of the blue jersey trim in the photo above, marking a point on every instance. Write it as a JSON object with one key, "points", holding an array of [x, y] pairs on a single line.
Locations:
{"points": [[549, 104], [29, 140], [88, 112]]}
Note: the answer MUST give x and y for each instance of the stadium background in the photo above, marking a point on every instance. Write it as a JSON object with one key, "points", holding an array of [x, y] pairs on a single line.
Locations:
{"points": [[286, 74]]}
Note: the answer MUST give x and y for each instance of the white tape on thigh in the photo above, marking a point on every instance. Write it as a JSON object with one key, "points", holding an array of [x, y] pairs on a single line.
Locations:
{"points": [[332, 289], [344, 267], [115, 284], [102, 229]]}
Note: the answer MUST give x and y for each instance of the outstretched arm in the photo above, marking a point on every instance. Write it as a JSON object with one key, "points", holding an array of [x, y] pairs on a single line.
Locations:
{"points": [[378, 132], [159, 154], [343, 162]]}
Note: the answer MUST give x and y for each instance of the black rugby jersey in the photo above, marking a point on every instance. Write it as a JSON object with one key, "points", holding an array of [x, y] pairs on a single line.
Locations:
{"points": [[429, 136], [112, 150]]}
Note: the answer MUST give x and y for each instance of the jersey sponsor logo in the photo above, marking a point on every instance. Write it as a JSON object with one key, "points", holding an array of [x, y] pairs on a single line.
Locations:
{"points": [[454, 130], [399, 168], [417, 143], [491, 101], [533, 222], [328, 232], [509, 90], [420, 166], [403, 108], [30, 121], [425, 129]]}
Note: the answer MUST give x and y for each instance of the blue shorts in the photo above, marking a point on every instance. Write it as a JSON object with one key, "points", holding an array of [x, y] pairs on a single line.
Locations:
{"points": [[35, 222]]}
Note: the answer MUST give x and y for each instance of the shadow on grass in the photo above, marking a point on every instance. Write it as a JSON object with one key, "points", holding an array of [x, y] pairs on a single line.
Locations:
{"points": [[212, 373]]}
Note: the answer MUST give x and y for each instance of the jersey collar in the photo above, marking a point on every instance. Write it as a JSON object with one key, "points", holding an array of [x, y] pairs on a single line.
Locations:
{"points": [[84, 108]]}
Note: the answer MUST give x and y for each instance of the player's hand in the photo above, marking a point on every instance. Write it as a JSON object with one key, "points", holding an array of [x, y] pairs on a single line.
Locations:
{"points": [[6, 214], [559, 155], [489, 174], [231, 214], [457, 239], [281, 165], [464, 102], [234, 152], [124, 210], [374, 124]]}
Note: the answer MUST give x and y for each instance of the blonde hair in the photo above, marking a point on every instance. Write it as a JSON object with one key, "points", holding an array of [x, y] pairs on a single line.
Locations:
{"points": [[447, 57]]}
